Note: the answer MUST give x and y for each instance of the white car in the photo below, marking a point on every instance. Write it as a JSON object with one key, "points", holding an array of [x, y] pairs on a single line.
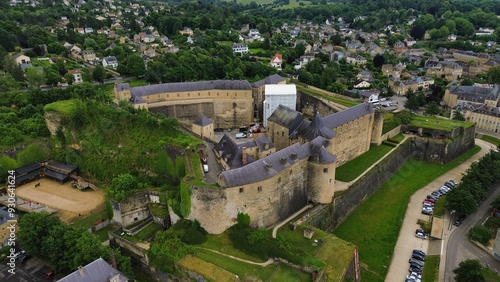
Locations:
{"points": [[205, 168], [241, 135], [421, 235]]}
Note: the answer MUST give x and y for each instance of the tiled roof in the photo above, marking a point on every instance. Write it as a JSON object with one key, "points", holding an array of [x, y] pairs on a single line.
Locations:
{"points": [[190, 86], [271, 165], [334, 120], [97, 271]]}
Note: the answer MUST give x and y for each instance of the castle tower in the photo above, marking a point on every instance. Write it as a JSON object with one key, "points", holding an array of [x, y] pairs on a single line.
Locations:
{"points": [[378, 123], [122, 92], [204, 127], [321, 173]]}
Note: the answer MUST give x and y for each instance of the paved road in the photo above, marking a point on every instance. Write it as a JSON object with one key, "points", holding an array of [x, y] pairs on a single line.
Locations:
{"points": [[407, 241], [459, 248]]}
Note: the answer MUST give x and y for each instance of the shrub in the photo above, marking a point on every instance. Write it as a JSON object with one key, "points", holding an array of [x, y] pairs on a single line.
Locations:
{"points": [[481, 234]]}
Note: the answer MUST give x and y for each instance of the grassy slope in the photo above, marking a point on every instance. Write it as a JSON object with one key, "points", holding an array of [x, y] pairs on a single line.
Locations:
{"points": [[431, 269], [438, 123], [491, 139], [344, 102], [374, 226], [352, 169]]}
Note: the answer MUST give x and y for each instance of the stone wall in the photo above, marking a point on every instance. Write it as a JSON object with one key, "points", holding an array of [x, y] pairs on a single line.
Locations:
{"points": [[332, 216], [393, 132], [308, 104], [267, 202], [352, 139], [133, 208]]}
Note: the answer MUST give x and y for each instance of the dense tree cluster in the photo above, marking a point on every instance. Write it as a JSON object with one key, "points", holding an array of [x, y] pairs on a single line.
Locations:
{"points": [[469, 270], [64, 246], [475, 184]]}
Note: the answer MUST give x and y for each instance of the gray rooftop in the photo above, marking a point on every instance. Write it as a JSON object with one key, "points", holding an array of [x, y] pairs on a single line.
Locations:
{"points": [[286, 117], [271, 165], [203, 121], [147, 90], [97, 271], [272, 79], [475, 93], [337, 119]]}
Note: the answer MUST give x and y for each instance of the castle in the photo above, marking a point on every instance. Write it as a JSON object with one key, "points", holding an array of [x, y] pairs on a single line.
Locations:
{"points": [[272, 176]]}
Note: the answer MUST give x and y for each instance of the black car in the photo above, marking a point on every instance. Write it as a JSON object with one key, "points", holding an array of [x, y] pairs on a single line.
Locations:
{"points": [[418, 257], [415, 269], [413, 261], [419, 252], [459, 220]]}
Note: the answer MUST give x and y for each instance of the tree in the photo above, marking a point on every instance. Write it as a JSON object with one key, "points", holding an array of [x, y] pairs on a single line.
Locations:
{"points": [[469, 270], [52, 78], [495, 204], [32, 153], [461, 200], [459, 116], [123, 186], [33, 227], [35, 77], [432, 109], [378, 61], [494, 74], [135, 65], [412, 103], [87, 75], [69, 78], [99, 73], [417, 32], [480, 233]]}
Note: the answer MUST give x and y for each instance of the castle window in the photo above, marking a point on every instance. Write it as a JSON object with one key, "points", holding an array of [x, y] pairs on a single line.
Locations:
{"points": [[158, 96], [259, 189], [177, 94], [325, 170], [291, 172], [241, 190], [277, 133], [330, 180], [189, 94], [282, 133], [198, 94], [279, 180]]}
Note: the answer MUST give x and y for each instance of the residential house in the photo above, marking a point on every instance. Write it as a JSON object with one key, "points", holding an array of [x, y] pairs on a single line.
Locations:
{"points": [[401, 87], [393, 71], [80, 30], [326, 48], [337, 56], [76, 52], [484, 31], [276, 61], [97, 271], [305, 59], [77, 75], [400, 48], [356, 60], [148, 38], [254, 35], [240, 48], [361, 84], [186, 31], [410, 41], [150, 52], [165, 41], [366, 75], [89, 30], [452, 37], [294, 33], [89, 56], [110, 61], [20, 58], [449, 69]]}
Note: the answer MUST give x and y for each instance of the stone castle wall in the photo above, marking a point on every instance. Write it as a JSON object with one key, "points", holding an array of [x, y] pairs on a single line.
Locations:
{"points": [[267, 202]]}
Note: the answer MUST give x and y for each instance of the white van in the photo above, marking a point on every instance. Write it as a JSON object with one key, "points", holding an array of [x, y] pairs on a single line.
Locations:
{"points": [[205, 168]]}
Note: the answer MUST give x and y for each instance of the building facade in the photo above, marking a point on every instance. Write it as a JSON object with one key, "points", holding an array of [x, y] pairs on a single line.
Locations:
{"points": [[275, 95]]}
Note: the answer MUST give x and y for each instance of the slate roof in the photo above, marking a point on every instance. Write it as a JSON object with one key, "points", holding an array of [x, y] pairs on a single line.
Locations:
{"points": [[271, 165], [63, 167], [203, 121], [272, 79], [488, 110], [231, 151], [140, 91], [28, 168], [335, 120], [475, 93], [261, 141], [56, 175], [286, 117], [312, 129], [97, 271]]}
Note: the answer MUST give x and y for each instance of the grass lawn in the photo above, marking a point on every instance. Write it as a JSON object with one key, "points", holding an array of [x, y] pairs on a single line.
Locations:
{"points": [[397, 139], [255, 51], [352, 169], [89, 220], [290, 274], [103, 233], [148, 231], [208, 270], [438, 123], [431, 269], [489, 275], [293, 4], [491, 139], [222, 244], [374, 226], [158, 210], [344, 102], [66, 107], [137, 82], [246, 271], [439, 207]]}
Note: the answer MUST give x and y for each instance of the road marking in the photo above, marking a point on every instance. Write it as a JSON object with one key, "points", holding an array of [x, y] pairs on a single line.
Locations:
{"points": [[441, 248]]}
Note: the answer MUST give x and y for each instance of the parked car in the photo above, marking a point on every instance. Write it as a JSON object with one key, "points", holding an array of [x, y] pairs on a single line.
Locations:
{"points": [[241, 135], [205, 168], [459, 220], [421, 235], [430, 199], [419, 230], [418, 257], [416, 262], [50, 274], [427, 212], [420, 252], [449, 185], [414, 274], [428, 204]]}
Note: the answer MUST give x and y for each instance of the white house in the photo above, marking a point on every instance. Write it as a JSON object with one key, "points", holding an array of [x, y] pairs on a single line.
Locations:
{"points": [[276, 61], [110, 61], [276, 94], [240, 48], [89, 30], [361, 84], [77, 75]]}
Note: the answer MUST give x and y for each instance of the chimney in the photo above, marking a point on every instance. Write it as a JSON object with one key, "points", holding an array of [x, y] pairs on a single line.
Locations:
{"points": [[80, 269], [268, 166], [283, 161], [266, 146], [113, 260], [244, 160]]}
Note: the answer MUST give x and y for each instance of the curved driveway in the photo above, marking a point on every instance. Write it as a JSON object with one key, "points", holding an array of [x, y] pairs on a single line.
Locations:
{"points": [[407, 241]]}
